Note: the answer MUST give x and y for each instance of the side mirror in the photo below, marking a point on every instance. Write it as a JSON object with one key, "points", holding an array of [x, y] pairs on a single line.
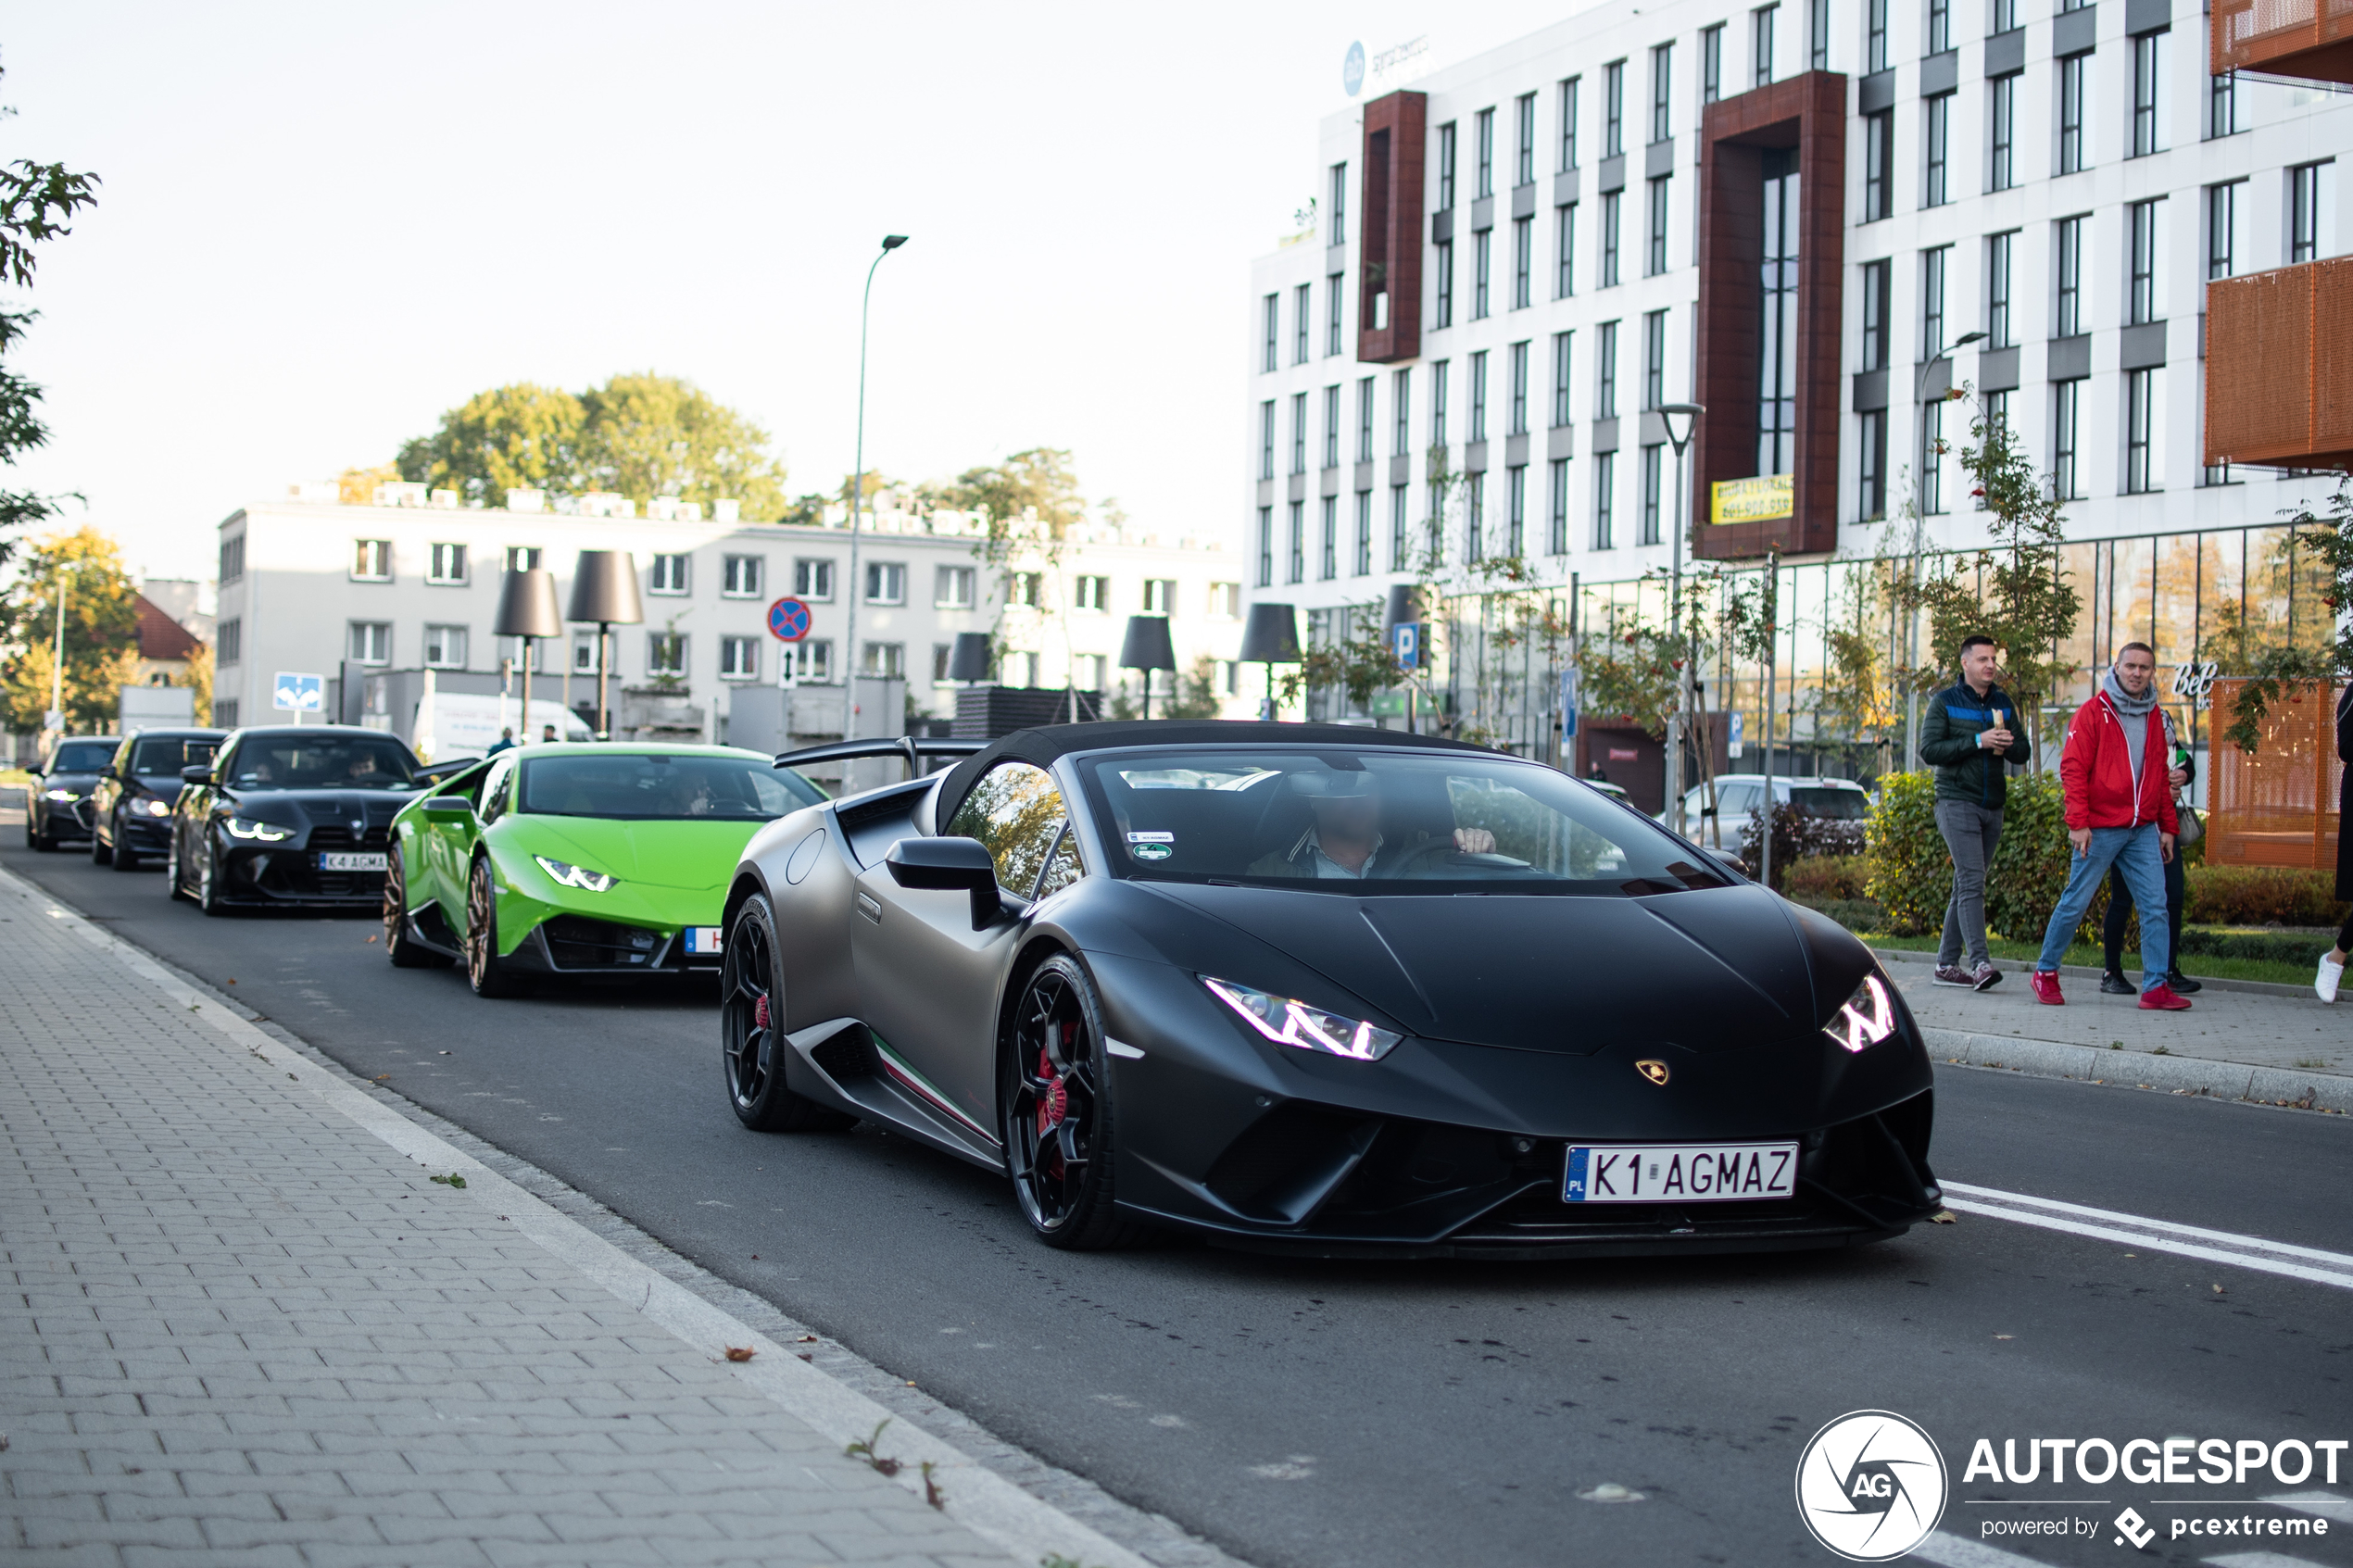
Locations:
{"points": [[448, 808], [197, 773], [950, 864]]}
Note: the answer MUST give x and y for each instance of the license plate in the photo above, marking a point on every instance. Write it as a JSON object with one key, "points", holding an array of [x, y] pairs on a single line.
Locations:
{"points": [[1678, 1172], [345, 860], [702, 941]]}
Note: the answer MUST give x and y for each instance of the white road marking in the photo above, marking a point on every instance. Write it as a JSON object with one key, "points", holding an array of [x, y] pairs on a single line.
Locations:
{"points": [[2260, 1560], [2328, 1505], [2308, 1263]]}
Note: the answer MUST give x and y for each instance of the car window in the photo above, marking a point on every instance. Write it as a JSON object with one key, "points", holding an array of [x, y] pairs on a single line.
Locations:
{"points": [[1016, 811], [1064, 866], [339, 761], [164, 756], [489, 790], [82, 756], [659, 786], [1820, 800]]}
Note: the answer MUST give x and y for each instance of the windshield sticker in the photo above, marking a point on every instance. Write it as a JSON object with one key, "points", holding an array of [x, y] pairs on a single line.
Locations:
{"points": [[1152, 838], [1151, 851]]}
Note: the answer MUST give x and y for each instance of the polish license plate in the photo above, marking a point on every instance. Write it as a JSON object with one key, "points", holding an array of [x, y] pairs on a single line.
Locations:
{"points": [[1678, 1172], [702, 941], [347, 860]]}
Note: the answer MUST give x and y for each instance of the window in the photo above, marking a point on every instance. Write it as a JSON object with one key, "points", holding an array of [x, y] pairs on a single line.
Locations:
{"points": [[1474, 516], [1271, 358], [1879, 167], [1017, 812], [954, 587], [2001, 327], [1446, 165], [1523, 261], [813, 660], [1438, 386], [1398, 548], [1401, 383], [1563, 343], [1265, 547], [1301, 299], [740, 580], [1297, 543], [1611, 202], [2149, 69], [666, 654], [1605, 374], [1090, 593], [1934, 265], [585, 653], [370, 559], [1654, 360], [1556, 535], [1931, 457], [232, 558], [1605, 480], [1817, 36], [1482, 249], [2070, 113], [1565, 239], [1651, 500], [1940, 26], [2001, 168], [1777, 318], [1479, 396], [1443, 289], [2222, 230], [1711, 63], [1331, 427], [1486, 124], [1655, 252], [1761, 34], [1020, 669], [666, 575], [444, 648], [1094, 672], [1524, 165], [1434, 523], [1327, 559], [1569, 91], [523, 557], [370, 642], [1872, 476], [1027, 589], [887, 660], [813, 580], [1298, 432], [1614, 108], [2223, 104], [1160, 595], [1339, 232], [2004, 16], [1267, 439], [1365, 420], [1516, 509], [2141, 293], [2303, 213], [1662, 91], [1333, 288], [2067, 398], [943, 657], [224, 712], [1874, 36], [2140, 398], [1363, 562], [885, 583], [2070, 277], [1938, 112], [1875, 307], [229, 640], [1225, 601]]}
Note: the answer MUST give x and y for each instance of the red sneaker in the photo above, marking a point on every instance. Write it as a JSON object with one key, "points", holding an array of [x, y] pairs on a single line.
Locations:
{"points": [[2046, 989], [2161, 997]]}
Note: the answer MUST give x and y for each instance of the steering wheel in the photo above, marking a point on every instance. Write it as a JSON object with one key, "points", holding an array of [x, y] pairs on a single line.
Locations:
{"points": [[1427, 860]]}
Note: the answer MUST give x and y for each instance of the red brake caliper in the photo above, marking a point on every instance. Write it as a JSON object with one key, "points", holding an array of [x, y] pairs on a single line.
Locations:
{"points": [[759, 1013], [1053, 1104]]}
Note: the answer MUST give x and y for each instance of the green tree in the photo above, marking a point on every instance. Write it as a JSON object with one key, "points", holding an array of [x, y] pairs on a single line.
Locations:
{"points": [[1042, 479], [101, 632], [1197, 695], [518, 437]]}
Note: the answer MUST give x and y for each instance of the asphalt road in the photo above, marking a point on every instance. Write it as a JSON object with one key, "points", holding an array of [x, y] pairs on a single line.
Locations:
{"points": [[1305, 1412]]}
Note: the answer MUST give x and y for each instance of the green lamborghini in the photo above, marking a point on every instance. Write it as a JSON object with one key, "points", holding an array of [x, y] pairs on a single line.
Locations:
{"points": [[562, 859]]}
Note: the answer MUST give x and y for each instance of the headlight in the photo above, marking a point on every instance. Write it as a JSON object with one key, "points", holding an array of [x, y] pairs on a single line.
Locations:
{"points": [[575, 876], [154, 807], [1288, 1022], [58, 794], [1867, 1018], [269, 832]]}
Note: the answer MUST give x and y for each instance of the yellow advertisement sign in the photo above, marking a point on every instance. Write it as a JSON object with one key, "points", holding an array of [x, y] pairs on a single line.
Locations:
{"points": [[1754, 500]]}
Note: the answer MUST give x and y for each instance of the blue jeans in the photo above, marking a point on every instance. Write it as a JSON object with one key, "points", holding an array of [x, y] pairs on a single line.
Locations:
{"points": [[2133, 852]]}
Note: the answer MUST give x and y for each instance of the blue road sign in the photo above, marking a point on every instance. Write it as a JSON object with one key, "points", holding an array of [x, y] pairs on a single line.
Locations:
{"points": [[788, 620], [1405, 641], [298, 693]]}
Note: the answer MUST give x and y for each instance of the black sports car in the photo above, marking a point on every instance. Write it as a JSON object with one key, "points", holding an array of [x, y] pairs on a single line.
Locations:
{"points": [[58, 805], [130, 808], [299, 815], [1347, 990]]}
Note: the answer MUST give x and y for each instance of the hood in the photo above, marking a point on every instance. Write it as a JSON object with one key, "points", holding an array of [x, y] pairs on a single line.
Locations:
{"points": [[373, 807], [658, 854], [1710, 970]]}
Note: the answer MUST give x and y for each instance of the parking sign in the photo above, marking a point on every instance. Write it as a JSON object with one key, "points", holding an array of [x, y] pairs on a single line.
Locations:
{"points": [[298, 693]]}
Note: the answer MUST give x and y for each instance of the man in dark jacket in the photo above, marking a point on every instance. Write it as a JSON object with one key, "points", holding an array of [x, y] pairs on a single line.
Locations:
{"points": [[1965, 733]]}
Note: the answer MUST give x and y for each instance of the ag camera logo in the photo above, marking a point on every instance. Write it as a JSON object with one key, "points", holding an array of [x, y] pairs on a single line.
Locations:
{"points": [[1871, 1485]]}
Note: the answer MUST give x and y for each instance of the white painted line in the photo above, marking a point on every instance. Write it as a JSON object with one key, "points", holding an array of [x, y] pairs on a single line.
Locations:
{"points": [[2110, 1216], [1949, 1551], [2328, 1505], [2260, 1560], [2156, 1242]]}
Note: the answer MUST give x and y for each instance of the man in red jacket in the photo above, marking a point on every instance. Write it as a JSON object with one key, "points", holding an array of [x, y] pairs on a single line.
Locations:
{"points": [[2120, 812]]}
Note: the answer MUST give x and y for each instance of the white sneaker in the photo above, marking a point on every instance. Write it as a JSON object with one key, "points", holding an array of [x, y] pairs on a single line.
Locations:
{"points": [[2325, 982]]}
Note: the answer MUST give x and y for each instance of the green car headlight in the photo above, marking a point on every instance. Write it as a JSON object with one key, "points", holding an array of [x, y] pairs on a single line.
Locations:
{"points": [[567, 875], [269, 832]]}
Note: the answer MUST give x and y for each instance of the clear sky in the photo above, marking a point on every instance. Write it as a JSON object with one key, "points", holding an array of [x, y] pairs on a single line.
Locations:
{"points": [[321, 225]]}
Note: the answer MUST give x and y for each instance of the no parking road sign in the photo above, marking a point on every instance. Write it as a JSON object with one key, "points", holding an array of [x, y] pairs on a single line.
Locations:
{"points": [[788, 620]]}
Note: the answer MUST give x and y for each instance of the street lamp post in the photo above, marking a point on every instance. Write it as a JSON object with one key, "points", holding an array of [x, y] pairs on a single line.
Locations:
{"points": [[1680, 419], [1919, 522], [857, 500]]}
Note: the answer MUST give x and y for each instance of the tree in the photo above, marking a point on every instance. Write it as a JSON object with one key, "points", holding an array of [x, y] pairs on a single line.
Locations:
{"points": [[101, 632], [1197, 696], [517, 437], [1041, 481], [35, 201]]}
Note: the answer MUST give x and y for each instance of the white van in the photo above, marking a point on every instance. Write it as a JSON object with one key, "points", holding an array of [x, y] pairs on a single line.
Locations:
{"points": [[1738, 795]]}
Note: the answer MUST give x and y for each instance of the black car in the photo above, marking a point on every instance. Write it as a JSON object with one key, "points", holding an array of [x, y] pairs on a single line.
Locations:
{"points": [[131, 810], [293, 816], [58, 805], [1350, 991]]}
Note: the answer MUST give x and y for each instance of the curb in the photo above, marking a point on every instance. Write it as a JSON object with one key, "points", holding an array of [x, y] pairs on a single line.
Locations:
{"points": [[2176, 1075], [2085, 972]]}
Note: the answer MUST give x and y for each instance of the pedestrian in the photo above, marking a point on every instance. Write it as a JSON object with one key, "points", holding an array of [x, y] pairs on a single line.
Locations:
{"points": [[1593, 771], [547, 733], [1966, 735], [2333, 961], [2119, 897], [506, 742], [2119, 813]]}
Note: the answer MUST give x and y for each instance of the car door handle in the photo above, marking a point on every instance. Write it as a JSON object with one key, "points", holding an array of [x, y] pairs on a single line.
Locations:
{"points": [[871, 907]]}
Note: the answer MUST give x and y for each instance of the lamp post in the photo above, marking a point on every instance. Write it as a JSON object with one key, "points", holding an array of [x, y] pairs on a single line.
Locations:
{"points": [[1919, 521], [527, 612], [1146, 647], [1680, 419], [858, 493], [1270, 637], [604, 593]]}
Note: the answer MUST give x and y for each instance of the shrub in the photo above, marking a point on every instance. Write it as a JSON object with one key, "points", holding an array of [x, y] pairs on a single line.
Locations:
{"points": [[1911, 871], [2260, 896], [2272, 947], [1797, 838], [1826, 878]]}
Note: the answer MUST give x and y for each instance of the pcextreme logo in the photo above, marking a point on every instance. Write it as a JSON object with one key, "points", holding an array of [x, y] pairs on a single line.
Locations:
{"points": [[1871, 1485]]}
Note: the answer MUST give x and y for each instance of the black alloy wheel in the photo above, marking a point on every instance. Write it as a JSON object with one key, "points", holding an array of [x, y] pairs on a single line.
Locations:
{"points": [[485, 972], [124, 860], [1055, 1086], [100, 855], [209, 898], [34, 839], [752, 1043], [175, 866], [404, 951]]}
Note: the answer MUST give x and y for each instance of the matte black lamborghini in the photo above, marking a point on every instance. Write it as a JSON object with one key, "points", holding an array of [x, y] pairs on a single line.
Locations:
{"points": [[1344, 990]]}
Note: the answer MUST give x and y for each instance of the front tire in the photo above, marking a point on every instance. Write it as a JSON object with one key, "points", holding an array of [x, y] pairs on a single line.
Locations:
{"points": [[404, 951], [99, 854], [1054, 1084], [751, 1042], [485, 972], [209, 898], [124, 860], [39, 843]]}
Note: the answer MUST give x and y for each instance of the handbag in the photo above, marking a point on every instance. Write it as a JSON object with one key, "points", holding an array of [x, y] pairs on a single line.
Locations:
{"points": [[2192, 830]]}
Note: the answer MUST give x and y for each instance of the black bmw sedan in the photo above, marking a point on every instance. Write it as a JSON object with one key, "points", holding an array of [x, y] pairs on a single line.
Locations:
{"points": [[131, 808], [59, 812], [290, 817]]}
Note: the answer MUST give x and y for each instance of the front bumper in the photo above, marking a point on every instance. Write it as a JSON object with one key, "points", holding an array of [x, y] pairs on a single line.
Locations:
{"points": [[286, 876]]}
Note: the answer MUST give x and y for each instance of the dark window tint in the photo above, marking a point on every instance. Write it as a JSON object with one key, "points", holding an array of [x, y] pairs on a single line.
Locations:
{"points": [[81, 757], [1845, 805], [325, 762], [166, 755], [656, 786]]}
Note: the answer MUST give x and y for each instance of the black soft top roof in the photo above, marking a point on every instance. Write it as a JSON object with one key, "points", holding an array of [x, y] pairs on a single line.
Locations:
{"points": [[1048, 743]]}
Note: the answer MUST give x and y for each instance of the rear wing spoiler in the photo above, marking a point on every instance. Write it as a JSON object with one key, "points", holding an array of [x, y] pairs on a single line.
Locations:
{"points": [[911, 748]]}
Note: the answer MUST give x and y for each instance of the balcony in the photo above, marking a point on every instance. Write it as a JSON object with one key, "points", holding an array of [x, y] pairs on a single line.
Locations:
{"points": [[2307, 39], [2279, 373]]}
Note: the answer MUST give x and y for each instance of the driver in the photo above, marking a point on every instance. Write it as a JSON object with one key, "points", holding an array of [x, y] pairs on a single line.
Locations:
{"points": [[1345, 840]]}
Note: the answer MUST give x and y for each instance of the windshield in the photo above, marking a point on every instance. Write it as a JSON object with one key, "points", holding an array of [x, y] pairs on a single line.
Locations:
{"points": [[1845, 805], [82, 756], [166, 754], [1378, 822], [343, 761], [655, 787]]}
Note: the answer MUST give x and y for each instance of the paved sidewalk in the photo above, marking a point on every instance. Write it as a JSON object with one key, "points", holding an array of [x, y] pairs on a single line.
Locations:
{"points": [[243, 1326]]}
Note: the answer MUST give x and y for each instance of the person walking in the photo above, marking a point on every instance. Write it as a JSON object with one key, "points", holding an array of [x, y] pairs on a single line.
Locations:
{"points": [[506, 742], [2119, 813], [2119, 897], [2331, 973], [1966, 735]]}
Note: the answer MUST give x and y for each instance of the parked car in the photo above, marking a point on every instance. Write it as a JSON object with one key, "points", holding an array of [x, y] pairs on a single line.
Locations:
{"points": [[1738, 796], [131, 810], [58, 805], [293, 816], [563, 859]]}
